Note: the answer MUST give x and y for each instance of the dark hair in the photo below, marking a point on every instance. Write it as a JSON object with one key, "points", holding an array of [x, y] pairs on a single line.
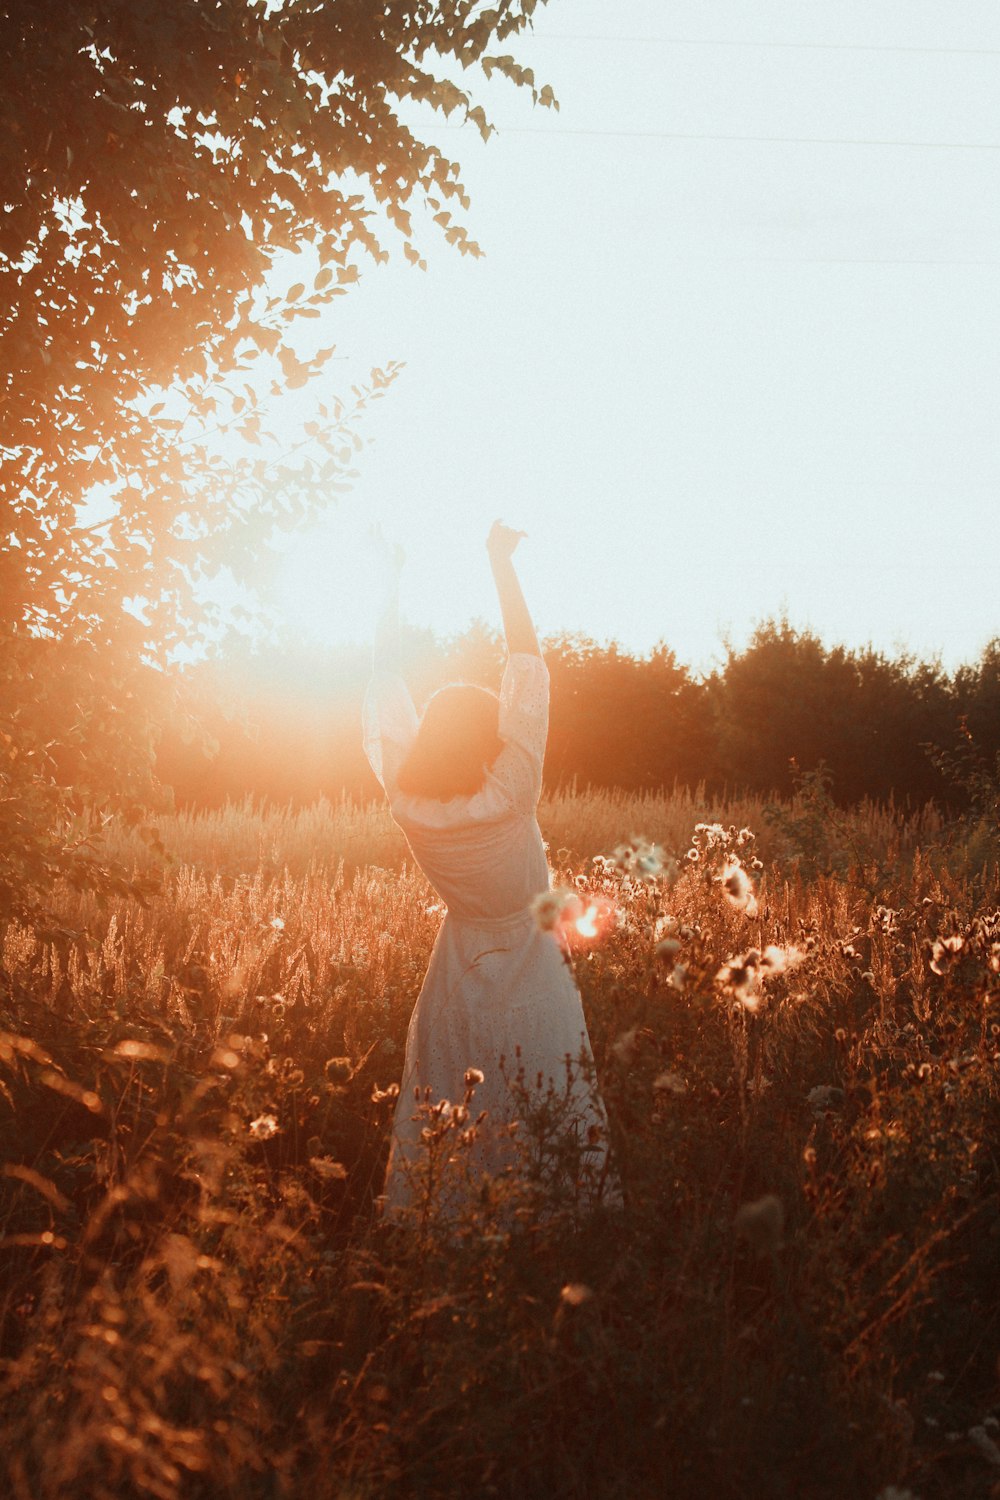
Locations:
{"points": [[457, 740]]}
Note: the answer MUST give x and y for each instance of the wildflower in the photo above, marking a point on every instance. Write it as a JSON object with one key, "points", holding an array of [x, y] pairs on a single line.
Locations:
{"points": [[761, 1223], [669, 1083], [981, 1440], [678, 976], [575, 1294], [278, 923], [667, 947], [263, 1128], [328, 1169], [624, 1049], [392, 1092], [944, 951], [740, 976], [713, 834], [824, 1097], [665, 926], [779, 960], [737, 887], [648, 863], [548, 907], [473, 1077], [338, 1069], [639, 858]]}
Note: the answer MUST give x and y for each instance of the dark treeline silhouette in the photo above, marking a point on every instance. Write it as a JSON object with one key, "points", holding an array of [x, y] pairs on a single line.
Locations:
{"points": [[285, 725]]}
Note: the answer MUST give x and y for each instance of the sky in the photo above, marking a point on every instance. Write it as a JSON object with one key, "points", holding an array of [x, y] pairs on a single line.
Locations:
{"points": [[714, 379]]}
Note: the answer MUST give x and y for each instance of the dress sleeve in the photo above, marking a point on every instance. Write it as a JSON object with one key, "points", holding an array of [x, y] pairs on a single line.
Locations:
{"points": [[524, 725], [389, 725]]}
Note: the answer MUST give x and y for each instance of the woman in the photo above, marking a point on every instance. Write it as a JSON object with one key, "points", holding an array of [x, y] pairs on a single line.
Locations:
{"points": [[498, 997]]}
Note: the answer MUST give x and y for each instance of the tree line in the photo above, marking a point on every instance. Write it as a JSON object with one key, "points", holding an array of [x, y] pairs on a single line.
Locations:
{"points": [[284, 724]]}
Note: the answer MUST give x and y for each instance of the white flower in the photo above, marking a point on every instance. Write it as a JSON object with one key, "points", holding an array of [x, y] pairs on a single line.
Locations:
{"points": [[548, 907], [263, 1128], [624, 1049], [278, 923], [678, 976], [778, 960], [714, 833], [944, 951], [473, 1076], [669, 1083], [737, 887], [740, 976], [639, 858]]}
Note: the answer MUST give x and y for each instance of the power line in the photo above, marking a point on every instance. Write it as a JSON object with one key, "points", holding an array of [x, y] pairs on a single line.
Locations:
{"points": [[692, 41], [765, 140], [823, 260]]}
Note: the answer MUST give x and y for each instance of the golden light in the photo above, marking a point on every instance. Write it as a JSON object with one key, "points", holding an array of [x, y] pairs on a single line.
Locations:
{"points": [[586, 925], [591, 925]]}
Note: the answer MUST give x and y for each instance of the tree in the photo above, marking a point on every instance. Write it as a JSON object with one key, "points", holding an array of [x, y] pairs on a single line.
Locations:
{"points": [[159, 159], [865, 716]]}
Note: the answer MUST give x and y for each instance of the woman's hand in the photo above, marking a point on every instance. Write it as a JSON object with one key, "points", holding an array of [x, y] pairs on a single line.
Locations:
{"points": [[518, 629], [501, 542]]}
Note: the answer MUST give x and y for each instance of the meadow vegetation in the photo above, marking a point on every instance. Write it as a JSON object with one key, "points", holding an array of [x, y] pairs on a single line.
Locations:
{"points": [[795, 1013]]}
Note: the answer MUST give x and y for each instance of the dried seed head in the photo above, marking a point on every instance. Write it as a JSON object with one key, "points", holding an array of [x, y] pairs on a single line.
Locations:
{"points": [[761, 1223]]}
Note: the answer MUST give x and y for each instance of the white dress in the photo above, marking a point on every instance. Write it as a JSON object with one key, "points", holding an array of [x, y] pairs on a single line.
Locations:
{"points": [[496, 982]]}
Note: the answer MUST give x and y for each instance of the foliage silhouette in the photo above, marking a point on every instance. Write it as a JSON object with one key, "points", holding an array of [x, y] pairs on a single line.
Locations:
{"points": [[192, 149]]}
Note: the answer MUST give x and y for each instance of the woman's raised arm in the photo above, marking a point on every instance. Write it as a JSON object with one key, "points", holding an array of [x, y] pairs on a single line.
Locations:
{"points": [[517, 623]]}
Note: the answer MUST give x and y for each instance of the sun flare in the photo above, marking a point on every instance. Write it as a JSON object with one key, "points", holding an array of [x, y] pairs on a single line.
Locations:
{"points": [[587, 925], [326, 586]]}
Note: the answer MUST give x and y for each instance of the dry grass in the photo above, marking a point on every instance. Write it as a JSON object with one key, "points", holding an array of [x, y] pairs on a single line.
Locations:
{"points": [[798, 1299]]}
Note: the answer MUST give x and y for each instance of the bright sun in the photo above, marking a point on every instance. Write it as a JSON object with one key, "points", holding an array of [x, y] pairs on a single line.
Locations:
{"points": [[326, 586]]}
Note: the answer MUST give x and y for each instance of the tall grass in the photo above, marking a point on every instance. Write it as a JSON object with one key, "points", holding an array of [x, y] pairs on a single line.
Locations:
{"points": [[199, 1298]]}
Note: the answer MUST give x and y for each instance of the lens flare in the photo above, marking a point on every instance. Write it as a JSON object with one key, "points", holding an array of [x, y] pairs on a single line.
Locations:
{"points": [[587, 925], [590, 922]]}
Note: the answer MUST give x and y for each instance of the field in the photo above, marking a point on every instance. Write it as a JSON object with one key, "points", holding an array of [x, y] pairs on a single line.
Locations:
{"points": [[797, 1299]]}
